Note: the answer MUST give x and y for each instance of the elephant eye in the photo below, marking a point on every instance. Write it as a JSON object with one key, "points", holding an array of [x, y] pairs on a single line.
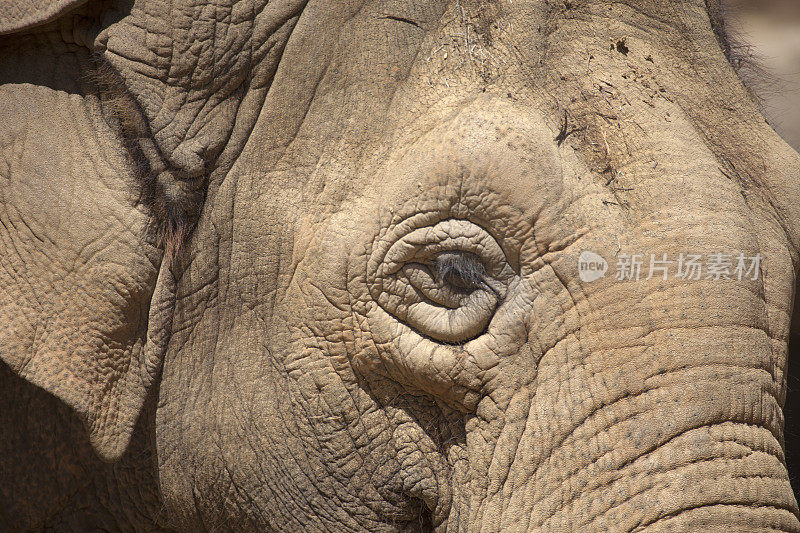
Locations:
{"points": [[462, 271], [443, 280]]}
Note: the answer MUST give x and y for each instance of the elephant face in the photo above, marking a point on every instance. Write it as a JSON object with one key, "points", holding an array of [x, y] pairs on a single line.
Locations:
{"points": [[373, 312]]}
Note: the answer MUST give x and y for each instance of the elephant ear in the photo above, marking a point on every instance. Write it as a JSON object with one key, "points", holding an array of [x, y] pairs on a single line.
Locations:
{"points": [[20, 15], [84, 302]]}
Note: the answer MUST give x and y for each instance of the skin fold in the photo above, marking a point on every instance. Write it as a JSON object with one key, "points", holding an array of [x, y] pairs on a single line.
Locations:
{"points": [[313, 266]]}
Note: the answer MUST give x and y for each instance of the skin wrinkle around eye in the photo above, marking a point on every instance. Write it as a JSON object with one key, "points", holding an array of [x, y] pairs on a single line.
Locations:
{"points": [[404, 287], [428, 284]]}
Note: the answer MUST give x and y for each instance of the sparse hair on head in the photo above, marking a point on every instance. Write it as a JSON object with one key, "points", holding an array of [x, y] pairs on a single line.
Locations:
{"points": [[757, 79], [173, 199]]}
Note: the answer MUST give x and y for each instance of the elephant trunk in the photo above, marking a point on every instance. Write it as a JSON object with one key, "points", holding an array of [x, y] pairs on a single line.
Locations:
{"points": [[678, 430]]}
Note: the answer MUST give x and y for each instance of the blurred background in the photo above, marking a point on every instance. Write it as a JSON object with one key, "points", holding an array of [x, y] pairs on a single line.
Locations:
{"points": [[770, 31]]}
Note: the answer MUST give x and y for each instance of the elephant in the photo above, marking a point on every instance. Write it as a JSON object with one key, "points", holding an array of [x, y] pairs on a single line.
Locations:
{"points": [[376, 265]]}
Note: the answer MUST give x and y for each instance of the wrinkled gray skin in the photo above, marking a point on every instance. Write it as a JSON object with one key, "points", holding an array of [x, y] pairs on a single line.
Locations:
{"points": [[289, 266]]}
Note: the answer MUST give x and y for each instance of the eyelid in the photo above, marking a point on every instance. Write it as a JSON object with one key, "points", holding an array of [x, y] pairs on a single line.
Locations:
{"points": [[423, 280], [402, 282], [422, 244]]}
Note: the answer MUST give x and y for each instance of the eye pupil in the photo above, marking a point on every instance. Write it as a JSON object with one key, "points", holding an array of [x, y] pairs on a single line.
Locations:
{"points": [[461, 270]]}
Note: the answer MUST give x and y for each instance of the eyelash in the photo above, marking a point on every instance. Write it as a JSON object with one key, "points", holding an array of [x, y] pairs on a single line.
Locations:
{"points": [[463, 266]]}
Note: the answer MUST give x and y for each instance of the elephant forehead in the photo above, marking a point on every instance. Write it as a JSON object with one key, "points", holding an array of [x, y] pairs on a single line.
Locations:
{"points": [[491, 151], [387, 73]]}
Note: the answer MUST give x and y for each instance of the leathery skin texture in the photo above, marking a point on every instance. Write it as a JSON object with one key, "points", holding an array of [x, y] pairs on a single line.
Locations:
{"points": [[315, 267]]}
